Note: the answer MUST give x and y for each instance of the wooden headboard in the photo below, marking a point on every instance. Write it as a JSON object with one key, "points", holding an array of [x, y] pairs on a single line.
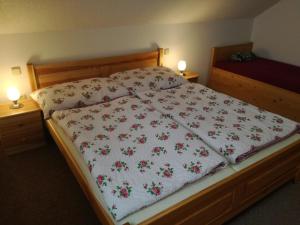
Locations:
{"points": [[224, 53], [48, 74]]}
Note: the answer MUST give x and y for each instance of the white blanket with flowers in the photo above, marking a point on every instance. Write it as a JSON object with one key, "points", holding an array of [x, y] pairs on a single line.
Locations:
{"points": [[136, 155], [232, 127]]}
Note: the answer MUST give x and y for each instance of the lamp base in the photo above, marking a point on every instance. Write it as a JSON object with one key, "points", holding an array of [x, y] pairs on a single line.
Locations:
{"points": [[16, 106], [181, 73]]}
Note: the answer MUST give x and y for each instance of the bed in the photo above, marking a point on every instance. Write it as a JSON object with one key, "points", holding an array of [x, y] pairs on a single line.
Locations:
{"points": [[273, 85], [214, 201]]}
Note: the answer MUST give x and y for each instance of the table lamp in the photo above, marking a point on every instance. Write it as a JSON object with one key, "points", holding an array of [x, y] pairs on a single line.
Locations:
{"points": [[181, 67], [13, 95]]}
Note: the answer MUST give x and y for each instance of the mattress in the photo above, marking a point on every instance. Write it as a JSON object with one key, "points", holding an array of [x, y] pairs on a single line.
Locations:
{"points": [[178, 196], [269, 71], [135, 154]]}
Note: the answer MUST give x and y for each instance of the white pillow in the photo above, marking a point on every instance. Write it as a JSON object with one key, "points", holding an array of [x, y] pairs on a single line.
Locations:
{"points": [[77, 94], [150, 78]]}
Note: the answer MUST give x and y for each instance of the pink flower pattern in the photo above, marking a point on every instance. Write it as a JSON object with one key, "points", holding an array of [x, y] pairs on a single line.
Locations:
{"points": [[150, 78], [200, 107], [131, 140], [232, 127]]}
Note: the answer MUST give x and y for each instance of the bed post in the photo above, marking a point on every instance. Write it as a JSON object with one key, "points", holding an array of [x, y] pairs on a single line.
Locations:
{"points": [[160, 56], [32, 77], [212, 63]]}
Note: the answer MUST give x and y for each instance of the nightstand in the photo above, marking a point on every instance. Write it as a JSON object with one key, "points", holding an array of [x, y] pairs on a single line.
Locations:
{"points": [[21, 129], [191, 76]]}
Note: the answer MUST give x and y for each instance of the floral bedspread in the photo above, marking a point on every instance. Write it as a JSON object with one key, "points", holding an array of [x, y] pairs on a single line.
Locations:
{"points": [[135, 154], [232, 127]]}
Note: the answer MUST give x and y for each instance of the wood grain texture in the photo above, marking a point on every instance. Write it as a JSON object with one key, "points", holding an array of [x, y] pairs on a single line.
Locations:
{"points": [[263, 95], [21, 129], [49, 74]]}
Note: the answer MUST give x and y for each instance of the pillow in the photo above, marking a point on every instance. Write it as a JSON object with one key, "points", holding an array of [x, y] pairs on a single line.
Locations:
{"points": [[236, 57], [77, 94], [243, 56], [248, 56], [150, 78]]}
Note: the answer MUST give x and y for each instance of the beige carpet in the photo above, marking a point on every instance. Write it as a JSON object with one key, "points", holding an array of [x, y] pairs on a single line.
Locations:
{"points": [[37, 188]]}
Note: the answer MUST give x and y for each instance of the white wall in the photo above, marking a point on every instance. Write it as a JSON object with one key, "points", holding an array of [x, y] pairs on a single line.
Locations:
{"points": [[191, 42], [276, 32]]}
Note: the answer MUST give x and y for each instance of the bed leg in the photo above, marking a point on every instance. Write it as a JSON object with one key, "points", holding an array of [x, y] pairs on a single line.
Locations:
{"points": [[297, 176]]}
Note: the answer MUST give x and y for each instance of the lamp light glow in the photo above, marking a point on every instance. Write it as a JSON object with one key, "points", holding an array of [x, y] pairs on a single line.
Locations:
{"points": [[181, 66], [13, 95]]}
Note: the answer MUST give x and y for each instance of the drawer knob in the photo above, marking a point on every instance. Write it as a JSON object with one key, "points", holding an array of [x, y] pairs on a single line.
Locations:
{"points": [[20, 125]]}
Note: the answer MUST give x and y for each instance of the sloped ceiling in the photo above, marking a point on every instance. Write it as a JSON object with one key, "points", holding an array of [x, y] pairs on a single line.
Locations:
{"points": [[23, 16]]}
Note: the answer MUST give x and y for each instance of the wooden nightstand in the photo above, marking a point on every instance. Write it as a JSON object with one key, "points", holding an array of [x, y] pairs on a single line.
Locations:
{"points": [[21, 129], [191, 76]]}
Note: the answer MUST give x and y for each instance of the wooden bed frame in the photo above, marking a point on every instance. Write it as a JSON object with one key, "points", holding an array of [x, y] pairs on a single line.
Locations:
{"points": [[214, 205], [266, 96]]}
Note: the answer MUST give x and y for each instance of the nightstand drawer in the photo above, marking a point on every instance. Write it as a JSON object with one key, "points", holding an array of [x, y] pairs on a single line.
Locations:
{"points": [[20, 121], [21, 129], [25, 122], [20, 139]]}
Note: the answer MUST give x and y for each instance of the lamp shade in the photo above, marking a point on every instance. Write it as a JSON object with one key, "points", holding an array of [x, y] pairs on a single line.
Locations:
{"points": [[13, 94], [181, 65]]}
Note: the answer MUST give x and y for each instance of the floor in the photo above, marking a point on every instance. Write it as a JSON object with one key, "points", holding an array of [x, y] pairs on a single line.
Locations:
{"points": [[37, 188]]}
